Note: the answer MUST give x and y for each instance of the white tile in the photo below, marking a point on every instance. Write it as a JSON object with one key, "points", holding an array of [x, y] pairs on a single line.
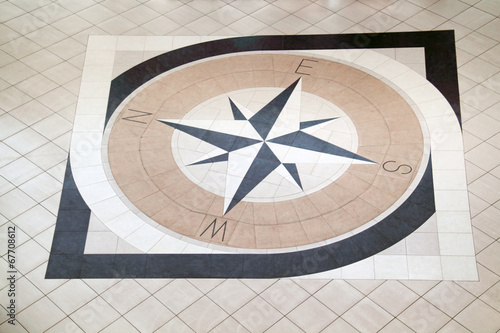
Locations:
{"points": [[264, 315], [451, 200], [393, 297], [203, 315], [145, 237], [14, 203], [41, 315], [37, 277], [363, 269], [424, 268], [41, 187], [101, 242], [25, 141], [80, 295], [120, 325], [285, 295], [115, 207], [473, 18], [358, 316], [456, 244], [7, 154], [95, 315], [125, 295], [453, 222], [391, 267], [36, 254], [459, 268], [149, 315]]}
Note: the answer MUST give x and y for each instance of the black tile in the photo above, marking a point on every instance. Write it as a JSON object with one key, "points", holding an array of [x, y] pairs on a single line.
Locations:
{"points": [[68, 242], [64, 266], [98, 266]]}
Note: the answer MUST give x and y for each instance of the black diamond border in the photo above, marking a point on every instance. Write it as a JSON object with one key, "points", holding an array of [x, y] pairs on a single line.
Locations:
{"points": [[67, 260]]}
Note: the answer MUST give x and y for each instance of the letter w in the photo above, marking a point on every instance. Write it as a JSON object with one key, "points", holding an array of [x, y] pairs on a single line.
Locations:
{"points": [[144, 114], [214, 232]]}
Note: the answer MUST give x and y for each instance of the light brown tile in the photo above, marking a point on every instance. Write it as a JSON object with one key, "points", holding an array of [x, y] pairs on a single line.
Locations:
{"points": [[168, 178], [361, 210], [267, 237], [239, 64], [153, 203], [197, 199], [179, 188], [261, 62], [322, 202], [170, 214], [243, 236], [188, 224], [292, 234], [244, 80], [341, 222], [317, 229], [126, 168], [378, 198], [339, 194], [138, 190], [264, 78], [264, 213], [305, 208], [285, 212], [227, 82]]}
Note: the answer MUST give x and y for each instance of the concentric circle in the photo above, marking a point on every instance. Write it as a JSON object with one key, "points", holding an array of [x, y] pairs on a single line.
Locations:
{"points": [[142, 156]]}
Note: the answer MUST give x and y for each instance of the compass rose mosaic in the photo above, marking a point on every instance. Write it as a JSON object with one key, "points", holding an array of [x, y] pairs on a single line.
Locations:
{"points": [[262, 157]]}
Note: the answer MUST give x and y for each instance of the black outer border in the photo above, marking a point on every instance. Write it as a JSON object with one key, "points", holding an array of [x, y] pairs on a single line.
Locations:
{"points": [[68, 261]]}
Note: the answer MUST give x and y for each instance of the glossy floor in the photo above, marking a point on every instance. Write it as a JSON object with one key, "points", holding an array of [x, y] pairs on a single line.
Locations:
{"points": [[44, 50]]}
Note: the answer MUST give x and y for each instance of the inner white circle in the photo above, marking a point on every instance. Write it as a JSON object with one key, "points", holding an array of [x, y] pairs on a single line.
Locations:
{"points": [[314, 175]]}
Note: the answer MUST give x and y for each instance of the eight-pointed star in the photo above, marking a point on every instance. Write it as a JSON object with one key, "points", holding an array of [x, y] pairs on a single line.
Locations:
{"points": [[266, 141]]}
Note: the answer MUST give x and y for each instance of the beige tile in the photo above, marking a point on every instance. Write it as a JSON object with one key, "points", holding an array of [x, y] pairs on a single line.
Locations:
{"points": [[449, 297], [339, 296], [366, 316], [263, 315], [312, 315], [149, 315], [285, 295], [478, 316], [231, 295], [489, 259], [422, 316]]}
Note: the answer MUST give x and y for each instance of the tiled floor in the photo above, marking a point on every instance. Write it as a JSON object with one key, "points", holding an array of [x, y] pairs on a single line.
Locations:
{"points": [[51, 91]]}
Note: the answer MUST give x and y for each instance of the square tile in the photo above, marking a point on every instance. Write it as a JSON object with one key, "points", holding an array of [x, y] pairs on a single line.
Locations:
{"points": [[449, 298], [366, 316], [203, 315], [95, 315], [149, 315], [393, 297], [311, 315], [43, 314], [231, 295], [81, 294], [479, 316], [422, 316], [178, 295]]}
